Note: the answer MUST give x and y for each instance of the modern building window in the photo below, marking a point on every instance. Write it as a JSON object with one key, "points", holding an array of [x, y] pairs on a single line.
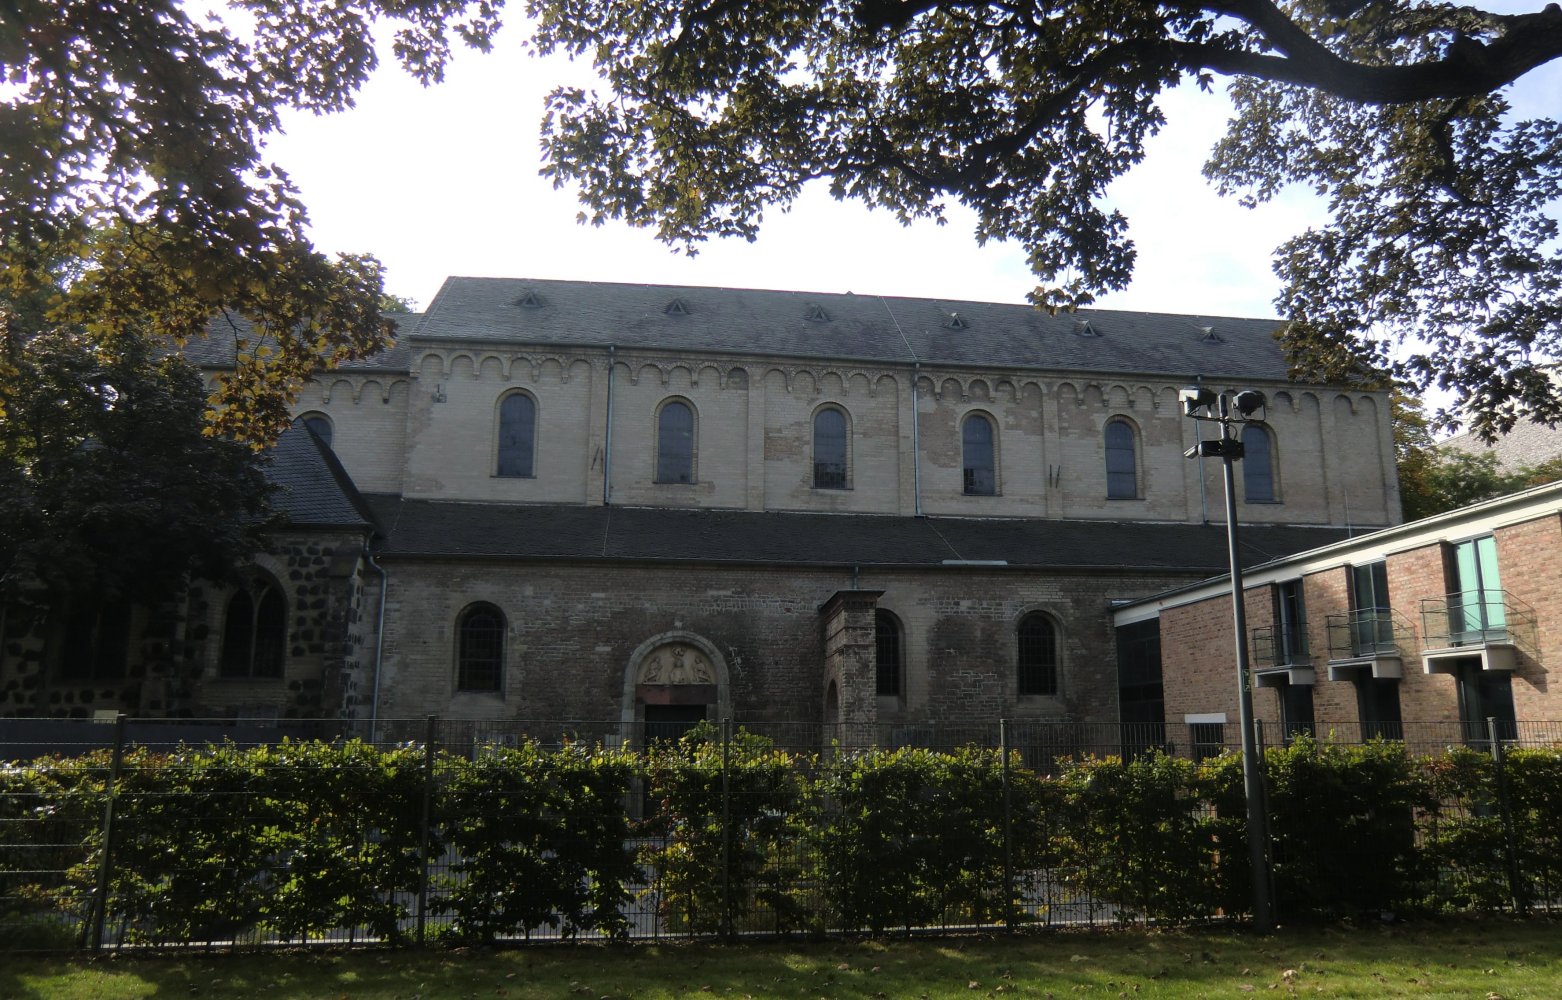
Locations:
{"points": [[254, 632], [1371, 619], [1258, 474], [95, 641], [886, 634], [1296, 711], [1038, 655], [1140, 694], [480, 648], [320, 424], [1208, 739], [517, 435], [1122, 464], [1483, 695], [1477, 611], [1290, 624], [977, 446], [1377, 705], [675, 442], [830, 449]]}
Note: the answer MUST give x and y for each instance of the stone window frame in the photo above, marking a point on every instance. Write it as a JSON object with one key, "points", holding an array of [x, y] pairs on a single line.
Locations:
{"points": [[466, 660], [264, 653], [1271, 439], [997, 463], [881, 618], [497, 462], [313, 419], [1136, 453], [846, 445], [1049, 684], [694, 442]]}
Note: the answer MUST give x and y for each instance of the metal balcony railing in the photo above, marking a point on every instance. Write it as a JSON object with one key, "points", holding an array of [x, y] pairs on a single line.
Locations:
{"points": [[1478, 618], [1367, 632], [1280, 646]]}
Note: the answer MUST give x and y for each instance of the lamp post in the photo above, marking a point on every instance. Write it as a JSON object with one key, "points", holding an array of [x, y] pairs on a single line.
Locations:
{"points": [[1204, 404]]}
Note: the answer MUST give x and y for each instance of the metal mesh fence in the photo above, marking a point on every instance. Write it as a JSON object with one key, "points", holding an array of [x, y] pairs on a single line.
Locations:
{"points": [[222, 834]]}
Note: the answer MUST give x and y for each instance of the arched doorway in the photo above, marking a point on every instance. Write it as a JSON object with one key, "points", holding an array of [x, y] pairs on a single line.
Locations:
{"points": [[673, 681]]}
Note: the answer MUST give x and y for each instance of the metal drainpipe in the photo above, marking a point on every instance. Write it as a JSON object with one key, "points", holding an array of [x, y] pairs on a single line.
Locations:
{"points": [[607, 437], [916, 442], [379, 648]]}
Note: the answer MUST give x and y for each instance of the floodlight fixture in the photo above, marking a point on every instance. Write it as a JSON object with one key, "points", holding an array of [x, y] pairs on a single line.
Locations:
{"points": [[1249, 402], [1196, 400]]}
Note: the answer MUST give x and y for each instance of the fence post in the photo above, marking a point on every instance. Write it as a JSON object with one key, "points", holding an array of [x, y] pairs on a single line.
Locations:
{"points": [[1008, 848], [726, 829], [423, 830], [100, 896], [1504, 809]]}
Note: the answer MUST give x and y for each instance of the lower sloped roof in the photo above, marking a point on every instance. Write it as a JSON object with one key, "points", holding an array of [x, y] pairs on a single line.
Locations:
{"points": [[439, 528]]}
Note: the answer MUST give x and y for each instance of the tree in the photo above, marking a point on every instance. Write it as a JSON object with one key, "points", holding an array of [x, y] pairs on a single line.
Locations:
{"points": [[1440, 239], [1448, 479], [135, 118], [111, 487]]}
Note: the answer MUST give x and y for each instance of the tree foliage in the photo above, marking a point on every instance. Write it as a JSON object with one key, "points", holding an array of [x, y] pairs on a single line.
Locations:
{"points": [[147, 121], [1393, 110], [110, 487]]}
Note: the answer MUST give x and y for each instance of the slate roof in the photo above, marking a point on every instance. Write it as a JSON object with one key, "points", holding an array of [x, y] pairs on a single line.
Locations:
{"points": [[859, 327], [312, 488], [441, 528], [216, 348]]}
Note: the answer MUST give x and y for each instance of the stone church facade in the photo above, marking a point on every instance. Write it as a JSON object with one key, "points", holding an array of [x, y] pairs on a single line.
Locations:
{"points": [[625, 505]]}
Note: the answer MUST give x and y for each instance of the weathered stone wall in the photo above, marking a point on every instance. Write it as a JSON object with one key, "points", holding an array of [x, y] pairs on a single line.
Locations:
{"points": [[571, 631]]}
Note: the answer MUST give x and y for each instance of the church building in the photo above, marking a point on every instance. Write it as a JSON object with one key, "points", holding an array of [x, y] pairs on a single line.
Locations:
{"points": [[617, 507]]}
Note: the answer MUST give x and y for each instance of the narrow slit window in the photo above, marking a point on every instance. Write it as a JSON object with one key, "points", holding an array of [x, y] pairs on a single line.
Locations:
{"points": [[1038, 655], [887, 647], [675, 443], [1122, 466], [1258, 477], [480, 649]]}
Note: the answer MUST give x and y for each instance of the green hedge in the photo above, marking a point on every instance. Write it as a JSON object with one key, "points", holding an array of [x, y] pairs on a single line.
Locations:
{"points": [[301, 840]]}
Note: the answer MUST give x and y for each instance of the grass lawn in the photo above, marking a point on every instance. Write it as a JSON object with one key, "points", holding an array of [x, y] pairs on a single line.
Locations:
{"points": [[1489, 960]]}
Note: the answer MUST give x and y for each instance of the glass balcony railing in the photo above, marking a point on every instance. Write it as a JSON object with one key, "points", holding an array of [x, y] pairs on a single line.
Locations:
{"points": [[1477, 618], [1280, 646], [1367, 632]]}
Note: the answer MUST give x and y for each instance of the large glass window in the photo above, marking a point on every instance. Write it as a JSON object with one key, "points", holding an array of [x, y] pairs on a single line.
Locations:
{"points": [[1038, 655], [480, 648], [675, 443], [1377, 704], [1122, 466], [1290, 623], [1258, 475], [830, 450], [1296, 711], [1483, 695], [980, 459], [1476, 610], [1371, 620], [887, 646], [254, 633], [517, 435]]}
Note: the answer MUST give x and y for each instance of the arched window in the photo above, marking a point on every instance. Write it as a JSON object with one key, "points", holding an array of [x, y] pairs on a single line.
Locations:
{"points": [[830, 449], [1122, 466], [1038, 655], [517, 435], [1258, 474], [980, 462], [480, 648], [886, 634], [254, 633], [320, 424], [675, 443]]}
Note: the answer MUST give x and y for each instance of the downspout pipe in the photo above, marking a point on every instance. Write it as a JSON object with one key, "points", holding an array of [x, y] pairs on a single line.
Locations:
{"points": [[607, 435], [379, 647], [916, 441]]}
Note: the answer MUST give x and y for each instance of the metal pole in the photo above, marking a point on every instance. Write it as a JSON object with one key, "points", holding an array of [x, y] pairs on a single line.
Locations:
{"points": [[1008, 848], [100, 897], [1505, 811], [423, 828], [1252, 766], [726, 829]]}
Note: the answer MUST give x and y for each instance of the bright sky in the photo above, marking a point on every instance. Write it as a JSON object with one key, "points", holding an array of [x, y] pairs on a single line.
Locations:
{"points": [[443, 181]]}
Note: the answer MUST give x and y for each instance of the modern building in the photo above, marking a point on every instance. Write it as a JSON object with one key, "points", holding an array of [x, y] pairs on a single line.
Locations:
{"points": [[633, 505], [1434, 632]]}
